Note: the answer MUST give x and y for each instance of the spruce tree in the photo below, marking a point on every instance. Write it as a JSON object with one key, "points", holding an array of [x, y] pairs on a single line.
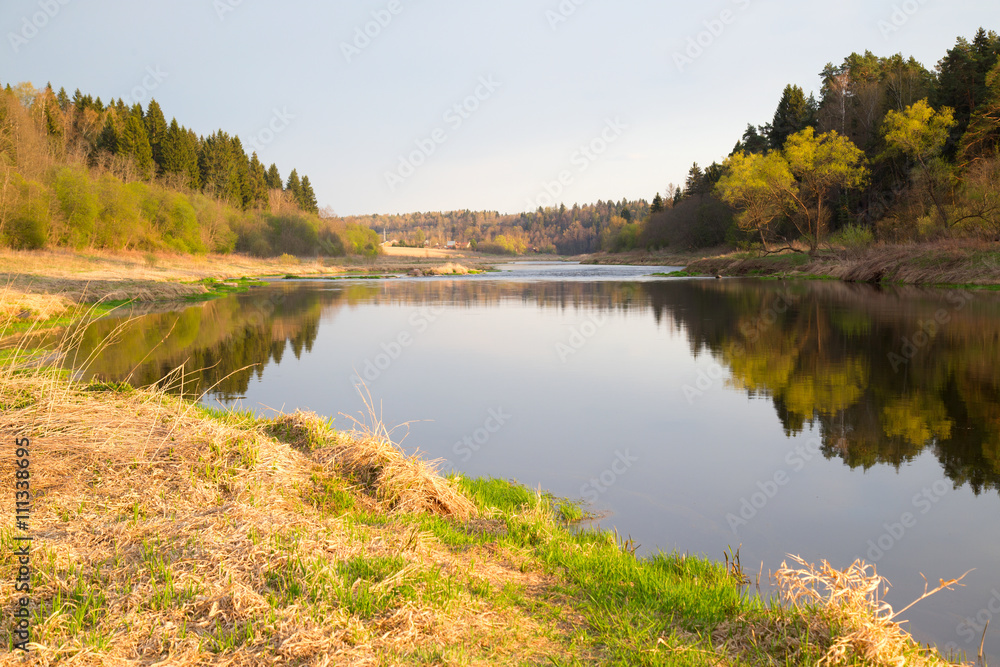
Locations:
{"points": [[191, 145], [134, 142], [657, 205], [258, 196], [273, 177], [108, 139], [63, 99], [308, 201], [794, 113], [156, 130], [294, 186]]}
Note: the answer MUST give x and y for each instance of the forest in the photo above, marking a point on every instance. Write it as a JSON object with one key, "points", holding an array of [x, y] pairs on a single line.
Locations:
{"points": [[77, 173], [889, 151]]}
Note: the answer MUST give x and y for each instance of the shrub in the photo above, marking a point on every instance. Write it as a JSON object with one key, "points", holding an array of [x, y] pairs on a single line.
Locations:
{"points": [[78, 204], [28, 220]]}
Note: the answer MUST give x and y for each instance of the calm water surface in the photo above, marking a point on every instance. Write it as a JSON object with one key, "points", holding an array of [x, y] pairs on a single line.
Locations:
{"points": [[822, 419]]}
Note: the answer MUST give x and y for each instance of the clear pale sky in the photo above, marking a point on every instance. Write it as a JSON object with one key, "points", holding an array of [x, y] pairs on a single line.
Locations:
{"points": [[535, 80]]}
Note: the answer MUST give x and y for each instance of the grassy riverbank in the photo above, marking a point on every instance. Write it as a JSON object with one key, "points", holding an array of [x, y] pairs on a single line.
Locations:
{"points": [[942, 263], [88, 277], [166, 532]]}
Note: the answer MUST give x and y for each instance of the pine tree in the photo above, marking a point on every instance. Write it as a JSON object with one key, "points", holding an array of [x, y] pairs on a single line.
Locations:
{"points": [[175, 150], [134, 143], [63, 99], [273, 177], [239, 190], [695, 182], [294, 186], [156, 130], [258, 197], [794, 113], [108, 139], [657, 205], [308, 202], [192, 144]]}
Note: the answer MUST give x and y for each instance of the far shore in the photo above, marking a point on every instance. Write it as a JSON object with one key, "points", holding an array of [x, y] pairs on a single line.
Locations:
{"points": [[933, 264], [91, 276]]}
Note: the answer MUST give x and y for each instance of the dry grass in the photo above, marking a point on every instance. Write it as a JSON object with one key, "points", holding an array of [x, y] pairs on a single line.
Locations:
{"points": [[96, 275], [162, 536], [20, 306], [825, 616], [375, 464], [847, 607], [449, 269]]}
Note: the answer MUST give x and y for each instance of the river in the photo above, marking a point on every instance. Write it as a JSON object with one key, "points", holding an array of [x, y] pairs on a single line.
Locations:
{"points": [[817, 418]]}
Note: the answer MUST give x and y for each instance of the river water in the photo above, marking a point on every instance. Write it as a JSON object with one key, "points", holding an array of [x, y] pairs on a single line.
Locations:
{"points": [[816, 418]]}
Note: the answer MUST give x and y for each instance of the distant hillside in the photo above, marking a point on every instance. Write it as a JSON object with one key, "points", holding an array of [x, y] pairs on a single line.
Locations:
{"points": [[568, 231]]}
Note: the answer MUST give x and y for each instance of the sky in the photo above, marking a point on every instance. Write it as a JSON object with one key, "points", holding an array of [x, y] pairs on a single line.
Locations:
{"points": [[393, 106]]}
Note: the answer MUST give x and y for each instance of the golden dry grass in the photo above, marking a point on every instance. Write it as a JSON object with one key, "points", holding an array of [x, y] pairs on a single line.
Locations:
{"points": [[181, 540], [16, 305]]}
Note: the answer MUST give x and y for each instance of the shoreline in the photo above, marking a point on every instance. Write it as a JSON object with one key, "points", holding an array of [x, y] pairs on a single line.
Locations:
{"points": [[931, 264], [255, 537]]}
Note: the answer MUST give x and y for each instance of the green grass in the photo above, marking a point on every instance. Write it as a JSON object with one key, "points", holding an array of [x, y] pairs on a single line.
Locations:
{"points": [[220, 288], [292, 276], [680, 274]]}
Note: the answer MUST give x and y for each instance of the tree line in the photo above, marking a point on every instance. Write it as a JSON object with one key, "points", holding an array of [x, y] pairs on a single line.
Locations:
{"points": [[890, 151], [586, 228], [76, 172]]}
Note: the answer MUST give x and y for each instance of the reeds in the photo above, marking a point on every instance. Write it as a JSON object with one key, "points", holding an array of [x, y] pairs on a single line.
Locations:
{"points": [[847, 606]]}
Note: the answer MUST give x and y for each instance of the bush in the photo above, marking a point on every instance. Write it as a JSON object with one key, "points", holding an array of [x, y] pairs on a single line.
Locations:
{"points": [[78, 204], [28, 224], [120, 223], [502, 245], [362, 241], [854, 236]]}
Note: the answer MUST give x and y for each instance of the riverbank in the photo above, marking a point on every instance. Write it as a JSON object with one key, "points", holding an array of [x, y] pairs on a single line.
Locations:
{"points": [[941, 263], [89, 277], [166, 532]]}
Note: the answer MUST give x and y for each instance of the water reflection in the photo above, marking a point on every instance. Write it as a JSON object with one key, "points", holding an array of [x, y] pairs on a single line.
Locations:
{"points": [[884, 374]]}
